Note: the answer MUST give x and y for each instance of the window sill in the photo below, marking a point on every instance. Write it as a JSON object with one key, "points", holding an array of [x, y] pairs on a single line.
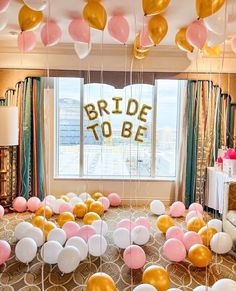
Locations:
{"points": [[126, 179]]}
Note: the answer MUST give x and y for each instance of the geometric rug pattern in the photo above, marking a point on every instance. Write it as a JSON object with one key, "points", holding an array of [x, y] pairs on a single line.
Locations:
{"points": [[17, 276]]}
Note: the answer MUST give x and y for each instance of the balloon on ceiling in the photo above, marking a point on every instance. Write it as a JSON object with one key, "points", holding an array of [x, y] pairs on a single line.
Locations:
{"points": [[37, 5], [153, 7], [29, 19], [95, 15]]}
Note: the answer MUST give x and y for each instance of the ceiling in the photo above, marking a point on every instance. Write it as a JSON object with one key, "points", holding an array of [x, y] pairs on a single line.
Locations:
{"points": [[179, 13]]}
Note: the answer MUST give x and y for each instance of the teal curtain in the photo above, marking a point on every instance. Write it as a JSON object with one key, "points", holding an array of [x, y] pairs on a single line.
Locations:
{"points": [[30, 148], [208, 127]]}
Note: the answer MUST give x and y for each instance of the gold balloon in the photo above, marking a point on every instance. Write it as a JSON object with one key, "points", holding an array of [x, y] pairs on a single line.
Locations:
{"points": [[206, 233], [65, 217], [138, 55], [137, 46], [157, 28], [97, 195], [206, 8], [89, 201], [157, 276], [97, 208], [152, 7], [90, 217], [195, 224], [65, 198], [181, 40], [48, 226], [213, 51], [38, 221], [44, 211], [29, 19], [164, 222], [101, 282], [95, 15], [80, 209], [199, 255]]}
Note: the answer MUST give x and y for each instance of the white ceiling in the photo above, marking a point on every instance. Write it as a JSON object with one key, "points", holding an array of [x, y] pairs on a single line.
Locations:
{"points": [[178, 14]]}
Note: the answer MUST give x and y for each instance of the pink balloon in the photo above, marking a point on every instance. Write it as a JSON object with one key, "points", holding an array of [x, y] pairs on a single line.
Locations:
{"points": [[233, 44], [126, 223], [143, 221], [118, 28], [79, 30], [26, 41], [71, 229], [19, 204], [86, 231], [175, 232], [65, 207], [196, 206], [174, 250], [1, 211], [5, 251], [33, 204], [145, 40], [177, 209], [191, 238], [51, 33], [193, 213], [105, 202], [134, 257], [197, 34], [114, 199], [4, 5]]}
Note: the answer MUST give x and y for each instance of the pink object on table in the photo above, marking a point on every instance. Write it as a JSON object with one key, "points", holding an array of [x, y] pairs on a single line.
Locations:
{"points": [[134, 257], [86, 231], [5, 251], [174, 250], [114, 199], [175, 232], [19, 204], [220, 160], [33, 204], [143, 221], [191, 238], [177, 209], [126, 223], [71, 229]]}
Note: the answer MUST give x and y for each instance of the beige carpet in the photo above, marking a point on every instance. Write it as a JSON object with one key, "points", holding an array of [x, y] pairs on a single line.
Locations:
{"points": [[17, 276]]}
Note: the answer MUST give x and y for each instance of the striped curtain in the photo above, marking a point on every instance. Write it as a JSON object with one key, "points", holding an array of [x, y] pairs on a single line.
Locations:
{"points": [[30, 178], [208, 127]]}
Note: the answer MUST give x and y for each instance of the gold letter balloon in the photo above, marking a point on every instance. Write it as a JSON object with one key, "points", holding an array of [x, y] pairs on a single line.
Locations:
{"points": [[153, 7], [181, 40], [206, 8], [29, 19], [157, 28], [95, 15], [101, 282]]}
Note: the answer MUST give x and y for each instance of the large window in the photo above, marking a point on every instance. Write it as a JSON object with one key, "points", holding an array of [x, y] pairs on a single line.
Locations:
{"points": [[82, 150]]}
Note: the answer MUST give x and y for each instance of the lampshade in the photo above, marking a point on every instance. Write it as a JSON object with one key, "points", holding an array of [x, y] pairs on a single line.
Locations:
{"points": [[8, 126]]}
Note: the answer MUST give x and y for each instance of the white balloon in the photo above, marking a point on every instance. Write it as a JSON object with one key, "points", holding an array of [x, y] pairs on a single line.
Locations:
{"points": [[38, 5], [68, 259], [71, 195], [215, 39], [145, 287], [140, 235], [57, 234], [224, 284], [84, 196], [81, 246], [21, 228], [3, 21], [56, 205], [100, 226], [157, 207], [75, 200], [122, 238], [216, 223], [82, 49], [36, 234], [203, 288], [26, 250], [97, 245], [50, 252], [221, 243], [216, 22]]}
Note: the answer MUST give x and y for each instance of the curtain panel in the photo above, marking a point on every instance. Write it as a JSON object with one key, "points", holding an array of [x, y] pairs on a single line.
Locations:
{"points": [[208, 128]]}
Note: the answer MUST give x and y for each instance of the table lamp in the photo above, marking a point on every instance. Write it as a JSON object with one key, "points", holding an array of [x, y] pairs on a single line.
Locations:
{"points": [[8, 137]]}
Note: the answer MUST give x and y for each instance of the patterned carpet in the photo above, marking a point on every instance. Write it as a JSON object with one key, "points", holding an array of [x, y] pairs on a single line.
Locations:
{"points": [[17, 276]]}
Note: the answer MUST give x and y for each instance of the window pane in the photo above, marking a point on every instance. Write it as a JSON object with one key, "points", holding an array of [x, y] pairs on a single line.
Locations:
{"points": [[167, 108], [68, 126], [117, 156]]}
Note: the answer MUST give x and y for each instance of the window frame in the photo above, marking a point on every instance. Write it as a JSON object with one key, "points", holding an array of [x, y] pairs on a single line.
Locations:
{"points": [[81, 175]]}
